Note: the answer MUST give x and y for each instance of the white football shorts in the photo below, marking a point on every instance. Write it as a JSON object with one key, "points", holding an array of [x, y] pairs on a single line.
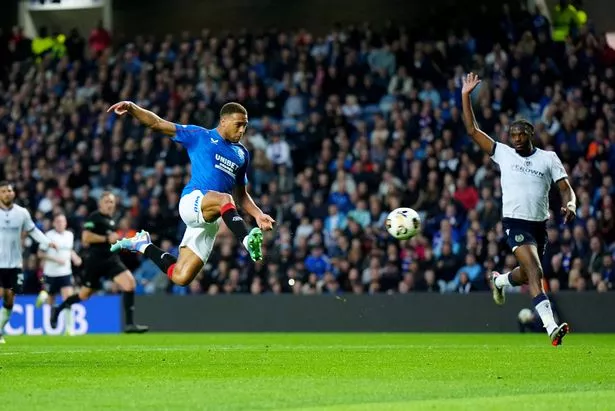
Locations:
{"points": [[200, 235]]}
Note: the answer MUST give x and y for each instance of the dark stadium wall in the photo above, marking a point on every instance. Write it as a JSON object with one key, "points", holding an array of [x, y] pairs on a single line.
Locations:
{"points": [[160, 17], [8, 15], [376, 313], [600, 12]]}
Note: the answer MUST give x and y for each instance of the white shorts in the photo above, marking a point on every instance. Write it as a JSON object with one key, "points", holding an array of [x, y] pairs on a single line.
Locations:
{"points": [[200, 235]]}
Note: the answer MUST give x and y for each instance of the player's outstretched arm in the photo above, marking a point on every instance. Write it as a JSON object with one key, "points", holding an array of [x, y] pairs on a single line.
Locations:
{"points": [[245, 201], [485, 142], [36, 234], [146, 117]]}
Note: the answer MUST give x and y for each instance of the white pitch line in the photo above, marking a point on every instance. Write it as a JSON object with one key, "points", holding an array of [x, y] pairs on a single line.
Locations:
{"points": [[259, 347]]}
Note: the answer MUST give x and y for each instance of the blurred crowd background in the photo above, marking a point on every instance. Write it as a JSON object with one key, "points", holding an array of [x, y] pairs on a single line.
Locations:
{"points": [[343, 128]]}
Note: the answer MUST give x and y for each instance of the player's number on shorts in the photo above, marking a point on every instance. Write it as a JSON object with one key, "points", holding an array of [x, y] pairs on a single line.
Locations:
{"points": [[20, 279]]}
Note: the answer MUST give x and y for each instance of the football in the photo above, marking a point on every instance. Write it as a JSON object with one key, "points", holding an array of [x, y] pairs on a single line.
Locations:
{"points": [[403, 223], [525, 316]]}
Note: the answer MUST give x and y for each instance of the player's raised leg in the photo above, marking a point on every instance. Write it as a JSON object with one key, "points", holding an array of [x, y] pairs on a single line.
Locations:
{"points": [[527, 255], [180, 270], [500, 281], [199, 212], [215, 204]]}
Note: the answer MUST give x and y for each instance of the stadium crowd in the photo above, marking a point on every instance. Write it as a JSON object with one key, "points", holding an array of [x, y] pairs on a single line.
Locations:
{"points": [[343, 128]]}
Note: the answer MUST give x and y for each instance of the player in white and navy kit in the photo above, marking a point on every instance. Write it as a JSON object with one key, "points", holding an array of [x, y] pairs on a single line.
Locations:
{"points": [[57, 268], [14, 220], [526, 176]]}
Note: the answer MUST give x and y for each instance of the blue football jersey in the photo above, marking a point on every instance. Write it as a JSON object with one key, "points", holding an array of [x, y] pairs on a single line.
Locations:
{"points": [[217, 164]]}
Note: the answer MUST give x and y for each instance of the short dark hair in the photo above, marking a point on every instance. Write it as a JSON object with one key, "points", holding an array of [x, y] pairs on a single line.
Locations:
{"points": [[232, 108], [5, 183], [524, 125]]}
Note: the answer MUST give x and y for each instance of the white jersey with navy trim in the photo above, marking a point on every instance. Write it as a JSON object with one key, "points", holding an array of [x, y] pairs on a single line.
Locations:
{"points": [[13, 222], [64, 242], [526, 181]]}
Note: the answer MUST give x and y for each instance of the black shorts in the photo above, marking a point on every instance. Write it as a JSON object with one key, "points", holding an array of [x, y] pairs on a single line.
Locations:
{"points": [[519, 232], [94, 270], [53, 285], [11, 279]]}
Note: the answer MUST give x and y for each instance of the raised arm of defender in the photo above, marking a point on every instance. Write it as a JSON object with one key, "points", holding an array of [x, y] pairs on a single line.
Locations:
{"points": [[485, 142], [146, 117]]}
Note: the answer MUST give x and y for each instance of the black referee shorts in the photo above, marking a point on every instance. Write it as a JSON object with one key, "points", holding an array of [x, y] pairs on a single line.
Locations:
{"points": [[94, 270]]}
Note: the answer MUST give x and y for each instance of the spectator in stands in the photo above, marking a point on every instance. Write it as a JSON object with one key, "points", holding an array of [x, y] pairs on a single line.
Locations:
{"points": [[99, 39], [43, 43]]}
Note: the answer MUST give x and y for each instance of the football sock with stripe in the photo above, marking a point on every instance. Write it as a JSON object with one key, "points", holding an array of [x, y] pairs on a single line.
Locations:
{"points": [[235, 223], [543, 308], [505, 280], [165, 261]]}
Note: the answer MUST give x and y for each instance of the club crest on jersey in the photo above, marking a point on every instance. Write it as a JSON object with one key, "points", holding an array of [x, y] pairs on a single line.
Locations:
{"points": [[519, 238], [528, 163], [240, 153]]}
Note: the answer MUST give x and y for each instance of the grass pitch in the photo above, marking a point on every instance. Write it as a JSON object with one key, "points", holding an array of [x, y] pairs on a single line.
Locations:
{"points": [[307, 372]]}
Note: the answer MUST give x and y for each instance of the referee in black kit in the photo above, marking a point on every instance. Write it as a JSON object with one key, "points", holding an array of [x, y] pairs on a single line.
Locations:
{"points": [[98, 234]]}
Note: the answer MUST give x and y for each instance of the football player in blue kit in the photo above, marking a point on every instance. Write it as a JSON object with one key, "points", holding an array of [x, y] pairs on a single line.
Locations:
{"points": [[219, 168]]}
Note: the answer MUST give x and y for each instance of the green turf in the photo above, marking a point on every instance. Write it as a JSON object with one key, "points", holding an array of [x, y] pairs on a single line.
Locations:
{"points": [[307, 372]]}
